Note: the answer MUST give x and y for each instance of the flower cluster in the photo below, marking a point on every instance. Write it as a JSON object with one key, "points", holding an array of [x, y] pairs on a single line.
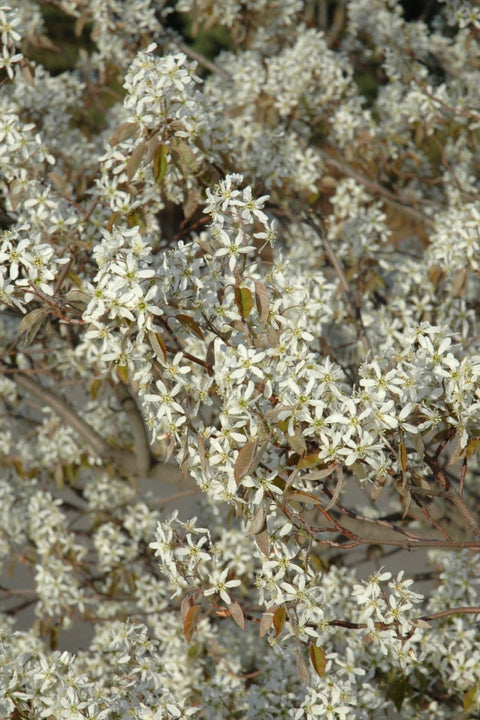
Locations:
{"points": [[248, 285]]}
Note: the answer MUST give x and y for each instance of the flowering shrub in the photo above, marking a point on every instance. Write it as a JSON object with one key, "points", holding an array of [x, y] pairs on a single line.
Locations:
{"points": [[245, 278]]}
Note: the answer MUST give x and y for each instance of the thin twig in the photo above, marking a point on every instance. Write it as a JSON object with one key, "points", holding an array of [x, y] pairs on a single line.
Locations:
{"points": [[333, 260], [396, 201], [137, 426]]}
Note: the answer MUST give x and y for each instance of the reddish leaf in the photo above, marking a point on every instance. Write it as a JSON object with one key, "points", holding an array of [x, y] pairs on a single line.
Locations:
{"points": [[403, 457], [265, 623], [124, 132], [258, 522], [134, 161], [302, 667], [190, 621], [31, 325], [236, 613], [279, 618], [318, 659], [262, 300], [190, 323], [158, 345], [244, 461], [262, 541]]}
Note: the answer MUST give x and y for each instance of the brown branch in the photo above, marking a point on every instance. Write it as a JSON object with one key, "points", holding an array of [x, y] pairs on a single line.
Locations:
{"points": [[396, 201], [334, 262], [123, 460], [137, 426], [451, 494]]}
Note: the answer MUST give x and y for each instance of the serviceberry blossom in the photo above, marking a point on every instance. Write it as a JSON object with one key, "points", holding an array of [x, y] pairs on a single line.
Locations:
{"points": [[240, 366]]}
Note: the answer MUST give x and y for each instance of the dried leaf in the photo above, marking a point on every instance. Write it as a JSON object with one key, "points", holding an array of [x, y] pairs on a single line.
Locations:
{"points": [[236, 613], [15, 191], [27, 74], [244, 301], [297, 442], [320, 474], [318, 659], [262, 300], [201, 453], [244, 461]]}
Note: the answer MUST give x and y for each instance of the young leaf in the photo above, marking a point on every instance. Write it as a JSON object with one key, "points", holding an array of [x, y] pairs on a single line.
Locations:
{"points": [[30, 326], [263, 542], [302, 667], [279, 618], [190, 323], [318, 659], [244, 301], [265, 623], [190, 621], [262, 300], [244, 461], [160, 163], [134, 162], [122, 372], [236, 613], [124, 132], [158, 345], [258, 522]]}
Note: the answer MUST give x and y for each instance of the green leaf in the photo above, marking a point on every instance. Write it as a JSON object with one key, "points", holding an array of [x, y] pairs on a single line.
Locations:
{"points": [[122, 372], [470, 698], [244, 300], [160, 163], [308, 461]]}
